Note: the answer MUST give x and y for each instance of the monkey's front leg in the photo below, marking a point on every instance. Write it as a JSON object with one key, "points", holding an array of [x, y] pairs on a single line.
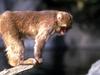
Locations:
{"points": [[39, 44], [40, 40]]}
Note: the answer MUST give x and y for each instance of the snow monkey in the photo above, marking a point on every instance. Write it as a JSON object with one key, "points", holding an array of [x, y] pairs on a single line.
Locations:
{"points": [[39, 25]]}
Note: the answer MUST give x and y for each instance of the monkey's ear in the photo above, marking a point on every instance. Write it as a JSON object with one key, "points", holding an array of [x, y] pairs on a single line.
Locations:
{"points": [[59, 16]]}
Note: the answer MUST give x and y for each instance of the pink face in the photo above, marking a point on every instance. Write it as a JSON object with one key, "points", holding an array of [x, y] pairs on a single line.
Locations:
{"points": [[64, 22]]}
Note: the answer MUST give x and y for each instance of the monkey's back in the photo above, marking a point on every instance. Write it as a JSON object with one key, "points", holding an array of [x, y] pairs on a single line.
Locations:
{"points": [[24, 21]]}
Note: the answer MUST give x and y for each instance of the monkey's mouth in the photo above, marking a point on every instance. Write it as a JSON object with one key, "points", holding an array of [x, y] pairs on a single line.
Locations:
{"points": [[62, 30]]}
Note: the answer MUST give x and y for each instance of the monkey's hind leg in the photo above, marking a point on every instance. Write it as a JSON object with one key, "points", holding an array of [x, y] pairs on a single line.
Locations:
{"points": [[15, 51], [14, 48]]}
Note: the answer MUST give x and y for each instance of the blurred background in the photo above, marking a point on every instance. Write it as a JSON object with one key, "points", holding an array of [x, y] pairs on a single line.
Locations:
{"points": [[71, 54]]}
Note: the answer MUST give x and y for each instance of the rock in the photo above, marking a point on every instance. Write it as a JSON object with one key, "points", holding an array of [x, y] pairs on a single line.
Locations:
{"points": [[95, 69]]}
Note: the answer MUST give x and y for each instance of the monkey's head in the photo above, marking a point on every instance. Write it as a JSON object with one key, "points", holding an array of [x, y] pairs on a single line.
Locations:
{"points": [[64, 22]]}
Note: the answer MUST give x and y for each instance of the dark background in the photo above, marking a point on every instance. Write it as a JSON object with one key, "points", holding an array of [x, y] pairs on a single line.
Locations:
{"points": [[71, 54]]}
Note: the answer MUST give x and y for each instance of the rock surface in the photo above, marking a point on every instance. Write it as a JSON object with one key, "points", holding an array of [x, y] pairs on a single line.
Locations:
{"points": [[95, 68]]}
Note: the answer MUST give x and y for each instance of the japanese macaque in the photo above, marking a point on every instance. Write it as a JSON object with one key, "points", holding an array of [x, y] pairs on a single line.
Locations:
{"points": [[39, 25]]}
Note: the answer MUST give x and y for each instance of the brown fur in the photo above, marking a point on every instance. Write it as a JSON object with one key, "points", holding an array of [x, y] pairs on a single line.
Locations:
{"points": [[38, 25]]}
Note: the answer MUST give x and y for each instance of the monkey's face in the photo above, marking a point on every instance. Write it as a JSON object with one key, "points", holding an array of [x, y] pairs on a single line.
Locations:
{"points": [[64, 21]]}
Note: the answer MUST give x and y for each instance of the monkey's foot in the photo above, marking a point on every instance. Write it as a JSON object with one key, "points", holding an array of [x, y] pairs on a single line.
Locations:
{"points": [[30, 61]]}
